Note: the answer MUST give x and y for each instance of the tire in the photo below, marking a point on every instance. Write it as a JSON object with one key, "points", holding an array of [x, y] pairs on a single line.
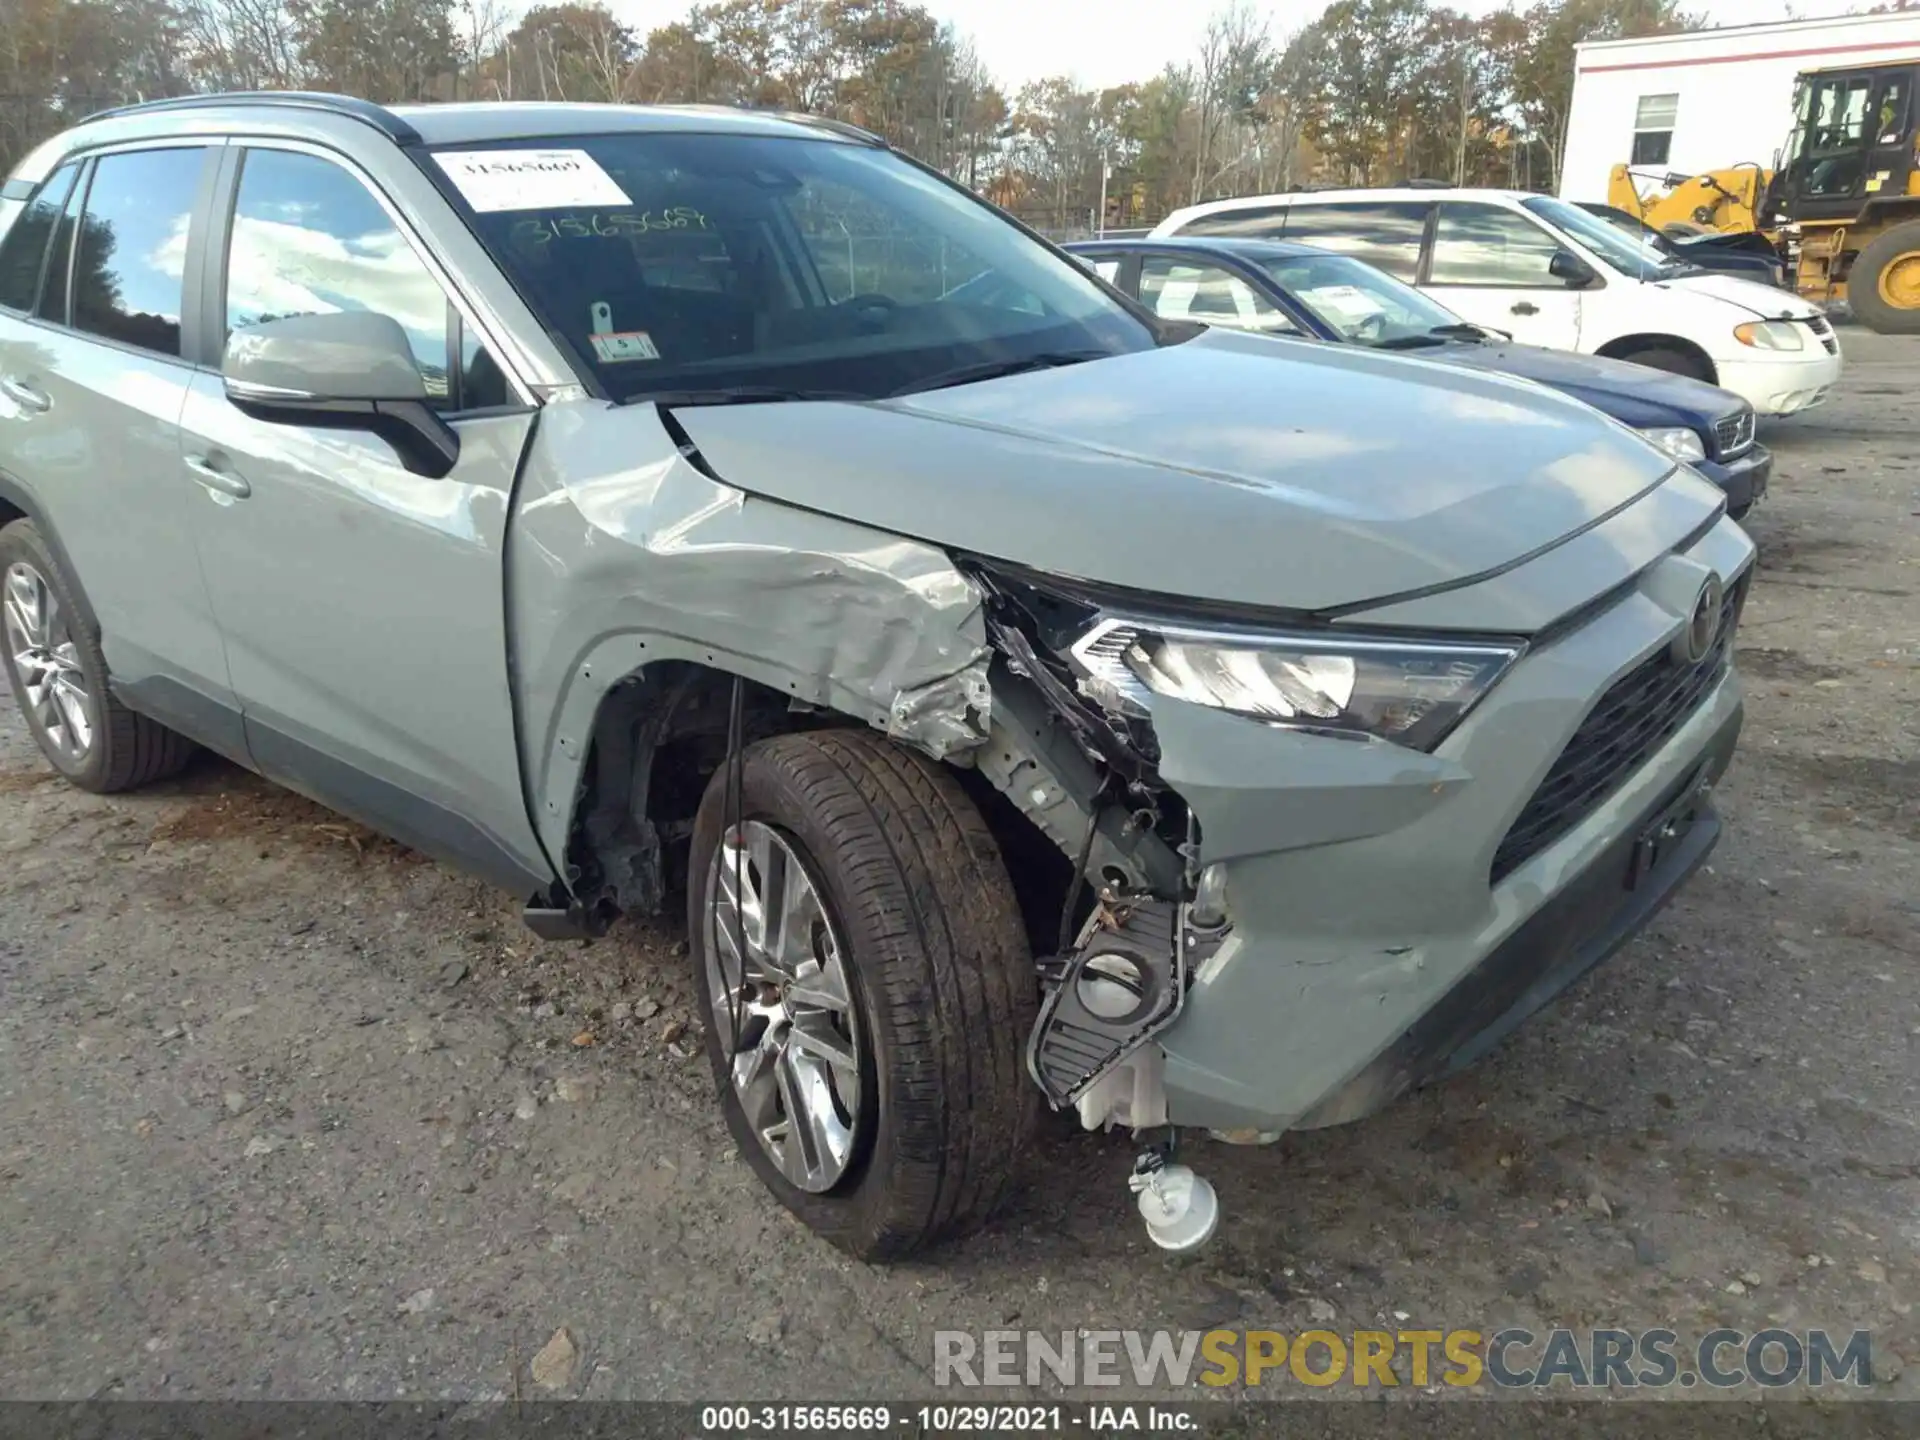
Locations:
{"points": [[1671, 360], [1890, 262], [941, 983], [121, 749]]}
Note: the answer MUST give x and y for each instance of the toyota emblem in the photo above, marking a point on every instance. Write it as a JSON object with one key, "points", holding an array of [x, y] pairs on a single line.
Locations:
{"points": [[1693, 644]]}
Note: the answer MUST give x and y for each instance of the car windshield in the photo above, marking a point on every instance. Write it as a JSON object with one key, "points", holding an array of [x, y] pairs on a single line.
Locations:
{"points": [[1634, 227], [768, 267], [1361, 303], [1630, 256]]}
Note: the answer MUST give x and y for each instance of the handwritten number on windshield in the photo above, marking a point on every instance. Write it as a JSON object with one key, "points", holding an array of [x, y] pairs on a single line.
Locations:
{"points": [[546, 229]]}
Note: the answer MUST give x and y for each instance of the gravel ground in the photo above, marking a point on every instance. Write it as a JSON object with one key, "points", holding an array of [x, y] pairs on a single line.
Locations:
{"points": [[287, 1111]]}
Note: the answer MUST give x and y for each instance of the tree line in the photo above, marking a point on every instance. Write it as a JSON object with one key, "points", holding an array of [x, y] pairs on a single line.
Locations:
{"points": [[1374, 91]]}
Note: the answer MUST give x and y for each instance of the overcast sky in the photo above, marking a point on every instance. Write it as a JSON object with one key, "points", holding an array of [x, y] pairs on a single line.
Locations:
{"points": [[1106, 42]]}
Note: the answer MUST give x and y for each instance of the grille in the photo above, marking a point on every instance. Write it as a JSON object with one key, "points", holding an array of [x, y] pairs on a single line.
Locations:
{"points": [[1631, 721], [1734, 434], [1821, 327]]}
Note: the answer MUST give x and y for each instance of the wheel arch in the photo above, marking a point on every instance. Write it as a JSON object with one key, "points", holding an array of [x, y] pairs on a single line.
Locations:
{"points": [[659, 732], [17, 503], [1624, 347], [657, 735]]}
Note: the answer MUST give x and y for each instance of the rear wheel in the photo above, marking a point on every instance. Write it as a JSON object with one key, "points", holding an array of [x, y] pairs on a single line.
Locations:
{"points": [[1672, 360], [1884, 285], [59, 677], [866, 987]]}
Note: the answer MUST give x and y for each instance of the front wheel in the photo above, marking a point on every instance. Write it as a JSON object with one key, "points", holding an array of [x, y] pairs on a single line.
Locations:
{"points": [[866, 987]]}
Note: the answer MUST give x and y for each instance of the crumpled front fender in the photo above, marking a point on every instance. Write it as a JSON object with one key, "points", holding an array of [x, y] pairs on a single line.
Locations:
{"points": [[624, 553]]}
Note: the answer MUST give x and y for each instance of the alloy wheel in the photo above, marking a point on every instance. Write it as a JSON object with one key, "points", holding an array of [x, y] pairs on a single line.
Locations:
{"points": [[41, 649], [783, 1006]]}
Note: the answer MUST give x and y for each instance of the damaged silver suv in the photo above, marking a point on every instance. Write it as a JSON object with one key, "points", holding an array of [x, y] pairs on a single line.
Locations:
{"points": [[1030, 701]]}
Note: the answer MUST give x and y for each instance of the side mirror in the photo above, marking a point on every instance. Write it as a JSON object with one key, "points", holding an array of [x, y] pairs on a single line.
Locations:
{"points": [[1569, 267], [350, 370]]}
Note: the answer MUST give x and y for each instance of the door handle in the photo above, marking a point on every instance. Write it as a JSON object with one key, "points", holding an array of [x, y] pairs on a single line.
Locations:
{"points": [[212, 472], [1525, 307], [25, 396]]}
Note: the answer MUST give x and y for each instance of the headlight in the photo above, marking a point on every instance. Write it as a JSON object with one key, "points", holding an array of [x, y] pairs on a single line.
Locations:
{"points": [[1678, 441], [1409, 692], [1769, 335]]}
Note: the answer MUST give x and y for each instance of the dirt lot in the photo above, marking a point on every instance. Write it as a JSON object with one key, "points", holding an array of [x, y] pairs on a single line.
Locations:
{"points": [[287, 1111]]}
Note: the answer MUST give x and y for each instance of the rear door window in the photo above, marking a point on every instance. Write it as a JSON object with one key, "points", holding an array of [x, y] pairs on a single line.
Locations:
{"points": [[1212, 294], [23, 254], [129, 272], [1386, 234], [1252, 222]]}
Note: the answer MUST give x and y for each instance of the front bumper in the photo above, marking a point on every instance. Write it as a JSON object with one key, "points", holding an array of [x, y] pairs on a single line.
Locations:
{"points": [[1781, 383], [1602, 908], [1369, 947], [1744, 480]]}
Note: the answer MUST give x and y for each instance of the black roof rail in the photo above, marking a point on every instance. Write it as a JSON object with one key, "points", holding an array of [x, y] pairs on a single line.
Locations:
{"points": [[345, 106]]}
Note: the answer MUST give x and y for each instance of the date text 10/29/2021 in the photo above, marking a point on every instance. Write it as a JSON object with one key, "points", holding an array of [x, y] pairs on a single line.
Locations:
{"points": [[981, 1419]]}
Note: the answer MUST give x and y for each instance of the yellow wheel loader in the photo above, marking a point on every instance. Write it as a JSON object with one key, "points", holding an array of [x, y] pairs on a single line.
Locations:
{"points": [[1841, 205]]}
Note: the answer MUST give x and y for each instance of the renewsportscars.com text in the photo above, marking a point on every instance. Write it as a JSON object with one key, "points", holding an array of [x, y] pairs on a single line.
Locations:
{"points": [[1507, 1358]]}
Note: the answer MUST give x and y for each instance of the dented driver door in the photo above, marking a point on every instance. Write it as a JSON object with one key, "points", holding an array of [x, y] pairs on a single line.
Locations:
{"points": [[362, 603]]}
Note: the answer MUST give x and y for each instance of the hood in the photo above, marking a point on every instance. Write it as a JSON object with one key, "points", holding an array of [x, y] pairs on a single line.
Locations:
{"points": [[1230, 468], [1635, 395], [1730, 242], [1764, 301]]}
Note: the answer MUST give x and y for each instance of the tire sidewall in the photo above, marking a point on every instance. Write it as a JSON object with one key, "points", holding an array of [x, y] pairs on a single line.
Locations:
{"points": [[855, 1206], [22, 541]]}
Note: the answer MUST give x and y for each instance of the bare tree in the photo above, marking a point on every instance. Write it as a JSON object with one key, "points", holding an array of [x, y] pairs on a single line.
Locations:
{"points": [[241, 44], [481, 25]]}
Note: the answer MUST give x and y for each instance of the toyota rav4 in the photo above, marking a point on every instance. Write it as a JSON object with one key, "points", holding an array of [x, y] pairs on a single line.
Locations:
{"points": [[1030, 700]]}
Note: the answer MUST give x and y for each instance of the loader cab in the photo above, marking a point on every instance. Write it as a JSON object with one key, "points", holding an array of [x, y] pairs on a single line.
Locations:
{"points": [[1852, 143]]}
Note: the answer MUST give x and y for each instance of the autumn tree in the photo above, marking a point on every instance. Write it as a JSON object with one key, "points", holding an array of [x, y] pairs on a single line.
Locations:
{"points": [[386, 50], [1540, 57], [566, 52], [1373, 90]]}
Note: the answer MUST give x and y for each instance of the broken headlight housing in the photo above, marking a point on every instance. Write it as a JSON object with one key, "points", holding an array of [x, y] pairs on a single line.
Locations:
{"points": [[1408, 692]]}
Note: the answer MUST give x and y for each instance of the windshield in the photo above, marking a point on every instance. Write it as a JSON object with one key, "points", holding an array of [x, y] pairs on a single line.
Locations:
{"points": [[1361, 303], [1630, 256], [710, 263], [1634, 227]]}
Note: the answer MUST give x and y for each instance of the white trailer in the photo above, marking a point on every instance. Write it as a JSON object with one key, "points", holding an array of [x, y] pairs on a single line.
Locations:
{"points": [[1707, 99]]}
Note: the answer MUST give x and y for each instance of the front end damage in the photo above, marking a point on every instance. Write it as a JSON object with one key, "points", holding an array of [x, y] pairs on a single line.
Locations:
{"points": [[1288, 928], [1256, 926]]}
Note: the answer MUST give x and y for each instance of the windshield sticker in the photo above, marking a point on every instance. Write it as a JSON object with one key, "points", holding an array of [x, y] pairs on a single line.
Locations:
{"points": [[1349, 302], [493, 180], [625, 345]]}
